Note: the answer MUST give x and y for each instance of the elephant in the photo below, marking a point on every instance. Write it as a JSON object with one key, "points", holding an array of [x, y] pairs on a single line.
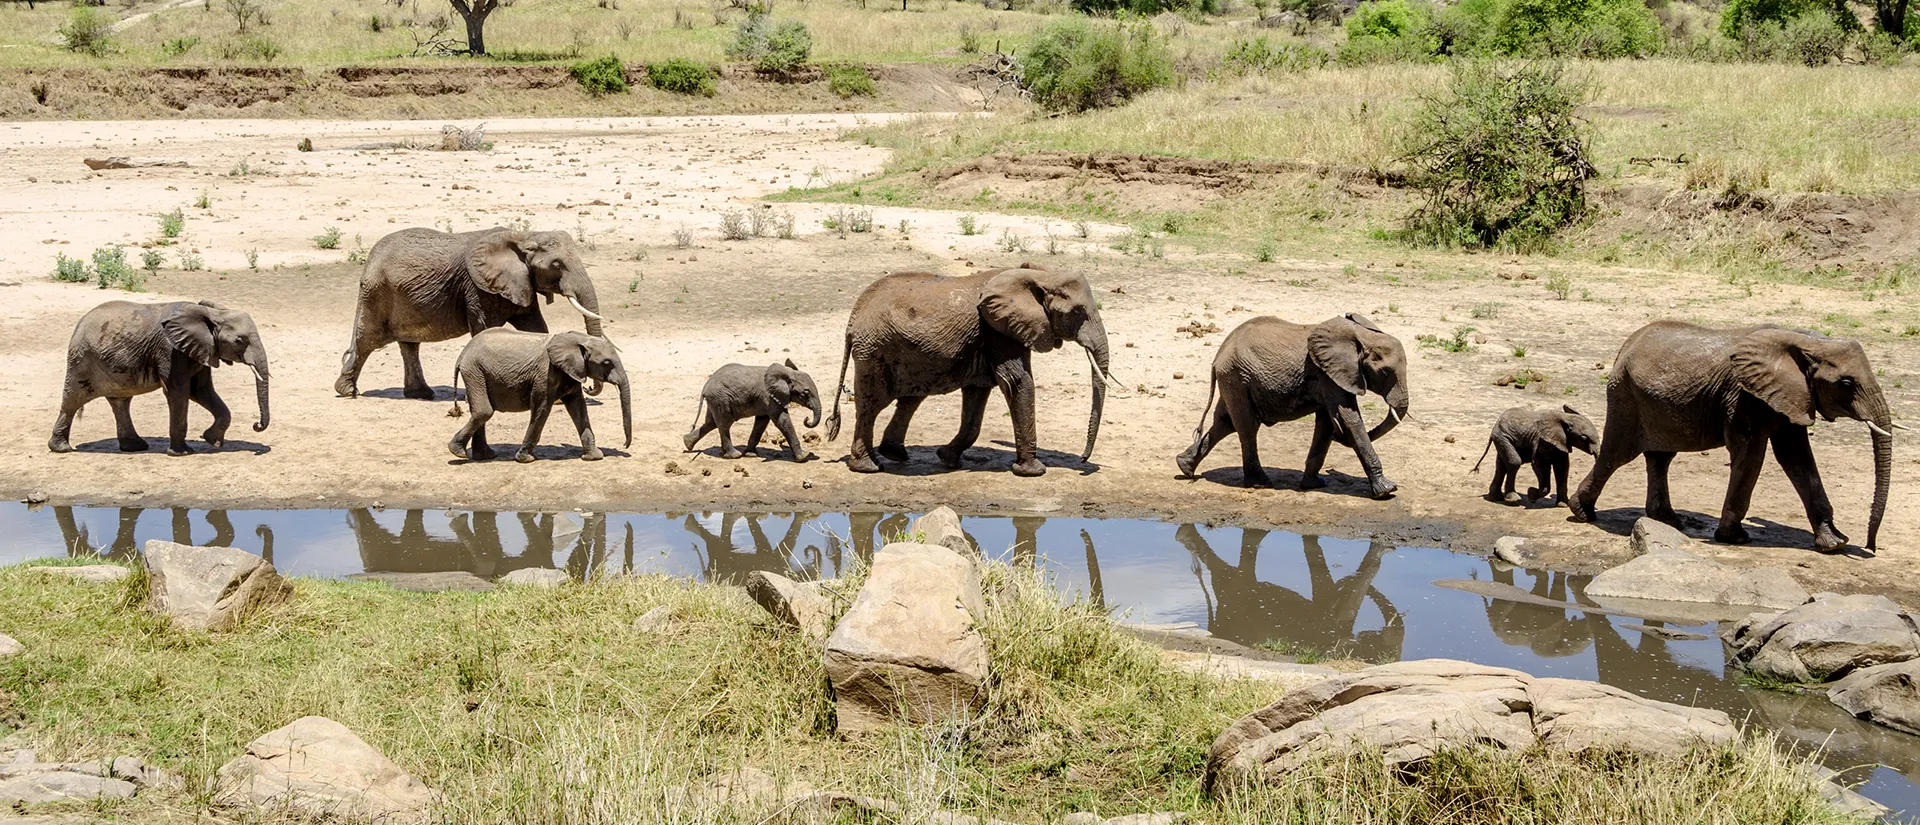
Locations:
{"points": [[1269, 370], [915, 334], [122, 349], [1543, 437], [422, 285], [1676, 387], [511, 371], [738, 391]]}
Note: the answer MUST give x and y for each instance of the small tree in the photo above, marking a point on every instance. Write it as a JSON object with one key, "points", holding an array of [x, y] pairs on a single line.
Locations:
{"points": [[247, 13], [475, 13]]}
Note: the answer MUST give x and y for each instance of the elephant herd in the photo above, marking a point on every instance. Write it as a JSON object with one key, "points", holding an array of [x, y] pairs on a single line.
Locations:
{"points": [[1675, 387]]}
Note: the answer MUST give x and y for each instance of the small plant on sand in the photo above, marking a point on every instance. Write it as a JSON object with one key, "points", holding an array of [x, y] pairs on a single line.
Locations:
{"points": [[1264, 252], [1011, 241], [783, 226], [191, 262], [682, 238], [759, 221], [357, 255], [1560, 285], [110, 267], [172, 224], [1458, 342], [330, 239], [205, 201], [1488, 310], [253, 259], [969, 225], [69, 270]]}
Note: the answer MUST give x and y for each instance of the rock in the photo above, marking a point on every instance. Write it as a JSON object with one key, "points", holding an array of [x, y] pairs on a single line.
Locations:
{"points": [[10, 646], [136, 770], [1667, 633], [1288, 674], [96, 573], [318, 767], [794, 604], [1507, 549], [1884, 694], [909, 644], [61, 786], [941, 526], [1410, 710], [1082, 818], [1824, 639], [458, 580], [545, 578], [1842, 798], [657, 620], [208, 588], [1665, 572], [35, 497]]}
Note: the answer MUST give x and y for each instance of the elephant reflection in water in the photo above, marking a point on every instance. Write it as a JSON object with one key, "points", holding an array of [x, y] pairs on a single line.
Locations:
{"points": [[721, 560], [125, 547], [476, 546], [1250, 611]]}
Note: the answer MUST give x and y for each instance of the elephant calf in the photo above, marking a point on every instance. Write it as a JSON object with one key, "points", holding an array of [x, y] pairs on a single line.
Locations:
{"points": [[121, 349], [513, 371], [738, 391], [1543, 437]]}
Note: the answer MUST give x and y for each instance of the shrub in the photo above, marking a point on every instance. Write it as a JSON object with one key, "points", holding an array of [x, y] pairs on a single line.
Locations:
{"points": [[848, 80], [1145, 8], [110, 268], [329, 239], [1076, 65], [1384, 31], [87, 32], [604, 76], [777, 48], [179, 46], [172, 224], [681, 76], [1577, 28], [69, 270], [1813, 38], [1737, 17], [251, 47], [1501, 158], [1257, 55]]}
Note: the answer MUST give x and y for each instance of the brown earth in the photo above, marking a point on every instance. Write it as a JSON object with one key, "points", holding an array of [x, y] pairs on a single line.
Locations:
{"points": [[679, 313]]}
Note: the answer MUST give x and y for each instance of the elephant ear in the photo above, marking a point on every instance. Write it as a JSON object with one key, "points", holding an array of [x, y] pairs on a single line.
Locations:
{"points": [[1555, 431], [568, 354], [1771, 364], [495, 266], [1011, 304], [189, 327], [1335, 347], [779, 385]]}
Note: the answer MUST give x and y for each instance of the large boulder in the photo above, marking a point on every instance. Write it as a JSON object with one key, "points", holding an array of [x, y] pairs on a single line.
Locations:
{"points": [[1885, 694], [1824, 639], [208, 588], [1665, 571], [1411, 710], [909, 643], [941, 526], [794, 604], [318, 767]]}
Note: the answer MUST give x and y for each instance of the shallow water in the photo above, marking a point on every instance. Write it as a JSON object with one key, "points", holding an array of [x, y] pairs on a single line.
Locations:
{"points": [[1338, 597]]}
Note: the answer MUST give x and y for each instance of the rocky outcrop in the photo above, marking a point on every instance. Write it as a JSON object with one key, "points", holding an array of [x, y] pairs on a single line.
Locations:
{"points": [[909, 645], [318, 767], [1666, 571], [545, 578], [1824, 639], [797, 605], [941, 526], [96, 573], [26, 780], [457, 580], [1884, 694], [1411, 710], [208, 588]]}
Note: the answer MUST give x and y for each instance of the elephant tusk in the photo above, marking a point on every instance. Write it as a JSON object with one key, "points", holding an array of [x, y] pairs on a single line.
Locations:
{"points": [[587, 312], [1105, 376], [1899, 426], [1879, 432], [1393, 413]]}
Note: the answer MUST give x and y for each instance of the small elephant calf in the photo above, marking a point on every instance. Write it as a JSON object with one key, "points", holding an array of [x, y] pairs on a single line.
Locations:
{"points": [[1543, 437], [738, 391], [511, 371]]}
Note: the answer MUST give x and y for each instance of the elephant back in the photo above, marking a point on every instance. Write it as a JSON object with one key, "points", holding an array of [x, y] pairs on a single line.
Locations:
{"points": [[1262, 346], [931, 313]]}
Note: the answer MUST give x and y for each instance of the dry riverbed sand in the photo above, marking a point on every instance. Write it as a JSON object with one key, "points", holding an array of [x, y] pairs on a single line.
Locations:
{"points": [[627, 186]]}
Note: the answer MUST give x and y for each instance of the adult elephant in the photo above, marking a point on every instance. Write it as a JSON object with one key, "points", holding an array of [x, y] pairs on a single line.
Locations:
{"points": [[1677, 387], [422, 285], [122, 349], [915, 334]]}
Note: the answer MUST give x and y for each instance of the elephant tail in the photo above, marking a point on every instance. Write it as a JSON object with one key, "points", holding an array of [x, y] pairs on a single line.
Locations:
{"points": [[1206, 411], [456, 412], [699, 408], [833, 421], [1483, 455]]}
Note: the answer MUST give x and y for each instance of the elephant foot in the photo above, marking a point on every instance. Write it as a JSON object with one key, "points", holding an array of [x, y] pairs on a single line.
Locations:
{"points": [[482, 452], [525, 456], [458, 449], [1667, 516], [1511, 498], [346, 387], [731, 452], [1187, 464], [802, 458], [593, 454], [1030, 468], [1827, 540], [1384, 488], [59, 445], [213, 439], [1581, 512], [180, 450], [1306, 482], [951, 458], [862, 465], [690, 439], [1735, 534], [892, 452], [418, 393], [133, 445]]}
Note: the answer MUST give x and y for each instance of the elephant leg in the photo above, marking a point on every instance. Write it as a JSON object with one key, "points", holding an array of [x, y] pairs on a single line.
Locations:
{"points": [[868, 400], [699, 431], [1659, 500], [1240, 413], [1356, 427], [1017, 385], [480, 407], [1614, 454], [1746, 454], [176, 392], [798, 450], [202, 393], [1323, 437], [415, 383], [727, 450], [973, 410], [1222, 426], [1506, 469], [536, 422], [1543, 464], [577, 410], [893, 444], [70, 403], [130, 441], [1795, 455], [753, 435], [365, 344]]}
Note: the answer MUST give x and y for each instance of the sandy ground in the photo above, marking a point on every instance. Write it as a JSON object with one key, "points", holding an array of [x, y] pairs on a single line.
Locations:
{"points": [[627, 185]]}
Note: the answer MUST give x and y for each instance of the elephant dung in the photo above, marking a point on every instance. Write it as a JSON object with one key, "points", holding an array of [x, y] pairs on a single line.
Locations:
{"points": [[1411, 710], [318, 767], [794, 604], [1670, 574], [941, 526], [208, 588], [544, 578], [1827, 637], [908, 645]]}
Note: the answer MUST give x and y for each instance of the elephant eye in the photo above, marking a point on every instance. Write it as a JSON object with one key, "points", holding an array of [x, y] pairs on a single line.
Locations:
{"points": [[1847, 382]]}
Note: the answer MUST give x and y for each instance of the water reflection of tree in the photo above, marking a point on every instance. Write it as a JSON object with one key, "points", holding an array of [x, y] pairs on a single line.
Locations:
{"points": [[125, 547], [475, 546], [1247, 610]]}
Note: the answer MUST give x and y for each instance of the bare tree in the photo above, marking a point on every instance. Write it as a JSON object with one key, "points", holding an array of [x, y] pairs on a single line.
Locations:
{"points": [[475, 13], [247, 13]]}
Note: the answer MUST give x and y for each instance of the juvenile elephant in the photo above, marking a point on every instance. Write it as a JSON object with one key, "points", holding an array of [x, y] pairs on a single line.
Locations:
{"points": [[915, 334], [1543, 437], [1677, 388], [121, 349], [738, 391], [420, 285], [1269, 370], [510, 371]]}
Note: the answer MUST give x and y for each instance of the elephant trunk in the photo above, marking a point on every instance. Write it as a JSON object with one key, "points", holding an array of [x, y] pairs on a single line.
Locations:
{"points": [[626, 406], [813, 406], [1396, 410], [257, 359], [1881, 423], [583, 298], [1093, 337]]}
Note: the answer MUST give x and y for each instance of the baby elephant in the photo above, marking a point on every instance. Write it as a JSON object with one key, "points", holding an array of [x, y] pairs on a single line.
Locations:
{"points": [[511, 371], [738, 391], [1543, 437]]}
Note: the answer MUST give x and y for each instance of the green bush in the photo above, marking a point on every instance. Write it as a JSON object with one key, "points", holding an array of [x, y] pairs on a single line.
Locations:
{"points": [[1738, 16], [1076, 65], [848, 80], [250, 47], [604, 76], [1814, 39], [1577, 28], [1258, 55], [87, 31], [777, 48], [69, 270], [1501, 159], [110, 268], [1386, 31], [682, 77], [178, 46], [1145, 7]]}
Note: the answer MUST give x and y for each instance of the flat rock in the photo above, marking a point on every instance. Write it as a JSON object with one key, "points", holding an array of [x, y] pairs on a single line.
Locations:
{"points": [[10, 646], [96, 573], [657, 620], [136, 770], [1824, 639], [1663, 571], [1658, 538], [909, 642], [1842, 798], [1507, 549], [457, 580], [61, 786], [1884, 694], [941, 526], [1226, 668], [794, 604], [540, 577], [318, 767], [208, 588]]}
